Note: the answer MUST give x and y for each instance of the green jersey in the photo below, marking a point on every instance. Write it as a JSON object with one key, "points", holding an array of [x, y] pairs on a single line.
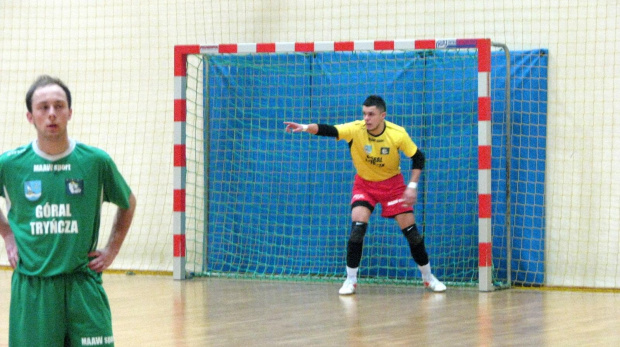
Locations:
{"points": [[54, 204]]}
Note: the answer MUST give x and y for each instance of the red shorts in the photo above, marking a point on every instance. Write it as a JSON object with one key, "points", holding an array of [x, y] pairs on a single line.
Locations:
{"points": [[388, 193]]}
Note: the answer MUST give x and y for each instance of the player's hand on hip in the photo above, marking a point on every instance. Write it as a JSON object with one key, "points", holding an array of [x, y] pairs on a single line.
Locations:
{"points": [[102, 259]]}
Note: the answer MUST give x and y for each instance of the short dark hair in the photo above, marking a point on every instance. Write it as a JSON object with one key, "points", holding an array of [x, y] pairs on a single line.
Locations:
{"points": [[42, 81], [377, 101]]}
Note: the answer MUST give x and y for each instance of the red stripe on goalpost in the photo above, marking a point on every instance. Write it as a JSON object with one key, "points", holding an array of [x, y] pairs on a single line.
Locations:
{"points": [[180, 110], [265, 47], [484, 108], [179, 245], [484, 55], [179, 155], [344, 46], [484, 206], [425, 44], [384, 45], [227, 48], [180, 58], [484, 157], [179, 201], [304, 47], [485, 254]]}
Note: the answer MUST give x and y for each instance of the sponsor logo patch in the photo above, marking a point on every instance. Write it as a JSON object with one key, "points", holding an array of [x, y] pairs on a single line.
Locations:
{"points": [[74, 186], [32, 190]]}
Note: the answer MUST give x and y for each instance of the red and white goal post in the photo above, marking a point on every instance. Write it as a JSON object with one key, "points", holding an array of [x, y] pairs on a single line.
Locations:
{"points": [[483, 47]]}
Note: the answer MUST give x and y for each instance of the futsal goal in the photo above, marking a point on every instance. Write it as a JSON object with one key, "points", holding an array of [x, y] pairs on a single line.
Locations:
{"points": [[253, 201]]}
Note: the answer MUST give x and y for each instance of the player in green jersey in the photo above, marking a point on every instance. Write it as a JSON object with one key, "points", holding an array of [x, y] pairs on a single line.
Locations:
{"points": [[374, 144], [54, 188]]}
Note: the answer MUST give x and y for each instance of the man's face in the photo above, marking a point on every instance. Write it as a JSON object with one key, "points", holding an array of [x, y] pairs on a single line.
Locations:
{"points": [[373, 118], [50, 112]]}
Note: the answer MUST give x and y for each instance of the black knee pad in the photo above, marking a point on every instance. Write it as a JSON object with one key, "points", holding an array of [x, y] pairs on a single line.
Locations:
{"points": [[356, 244], [413, 236], [358, 230], [416, 244]]}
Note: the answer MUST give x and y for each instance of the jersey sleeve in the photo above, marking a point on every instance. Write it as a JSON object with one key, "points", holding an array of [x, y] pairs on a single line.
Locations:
{"points": [[407, 146], [4, 170], [115, 188], [346, 131]]}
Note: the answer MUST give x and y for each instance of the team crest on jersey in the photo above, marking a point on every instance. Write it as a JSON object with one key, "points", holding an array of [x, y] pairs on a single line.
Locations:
{"points": [[32, 190], [368, 149], [74, 186], [385, 150]]}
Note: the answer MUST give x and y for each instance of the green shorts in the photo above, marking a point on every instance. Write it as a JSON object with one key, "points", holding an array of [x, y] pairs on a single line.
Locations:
{"points": [[64, 310]]}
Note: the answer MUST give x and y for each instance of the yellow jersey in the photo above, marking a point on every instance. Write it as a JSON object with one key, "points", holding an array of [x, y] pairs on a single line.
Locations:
{"points": [[376, 158]]}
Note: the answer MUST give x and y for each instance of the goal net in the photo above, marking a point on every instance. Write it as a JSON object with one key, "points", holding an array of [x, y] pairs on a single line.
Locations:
{"points": [[254, 201]]}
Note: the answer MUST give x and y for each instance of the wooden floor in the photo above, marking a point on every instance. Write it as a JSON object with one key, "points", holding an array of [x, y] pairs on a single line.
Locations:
{"points": [[158, 311]]}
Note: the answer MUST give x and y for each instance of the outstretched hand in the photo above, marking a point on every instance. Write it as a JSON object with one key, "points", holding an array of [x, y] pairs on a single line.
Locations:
{"points": [[292, 127]]}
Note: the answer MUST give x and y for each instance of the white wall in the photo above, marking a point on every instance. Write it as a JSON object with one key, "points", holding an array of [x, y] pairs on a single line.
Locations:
{"points": [[117, 57]]}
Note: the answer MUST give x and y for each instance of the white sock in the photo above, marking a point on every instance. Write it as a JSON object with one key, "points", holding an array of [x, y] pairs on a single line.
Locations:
{"points": [[352, 274], [426, 272]]}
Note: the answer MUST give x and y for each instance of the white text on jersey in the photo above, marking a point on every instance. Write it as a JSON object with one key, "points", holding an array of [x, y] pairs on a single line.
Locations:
{"points": [[53, 226], [51, 167]]}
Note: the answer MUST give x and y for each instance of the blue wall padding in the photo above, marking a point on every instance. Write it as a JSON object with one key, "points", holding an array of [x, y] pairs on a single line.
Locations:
{"points": [[528, 158], [279, 203]]}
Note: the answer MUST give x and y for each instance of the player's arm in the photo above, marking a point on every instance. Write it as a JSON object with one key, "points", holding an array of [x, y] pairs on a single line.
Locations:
{"points": [[417, 165], [122, 221], [9, 240], [410, 196], [315, 129]]}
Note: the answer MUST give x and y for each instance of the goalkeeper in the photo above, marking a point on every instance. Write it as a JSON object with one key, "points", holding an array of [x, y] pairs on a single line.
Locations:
{"points": [[374, 144], [54, 188]]}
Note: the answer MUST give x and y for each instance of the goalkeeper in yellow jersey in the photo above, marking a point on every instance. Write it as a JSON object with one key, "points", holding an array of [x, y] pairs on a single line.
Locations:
{"points": [[374, 144]]}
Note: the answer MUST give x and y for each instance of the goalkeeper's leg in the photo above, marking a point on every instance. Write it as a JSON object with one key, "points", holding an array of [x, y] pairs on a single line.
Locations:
{"points": [[418, 252], [360, 215], [355, 246]]}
